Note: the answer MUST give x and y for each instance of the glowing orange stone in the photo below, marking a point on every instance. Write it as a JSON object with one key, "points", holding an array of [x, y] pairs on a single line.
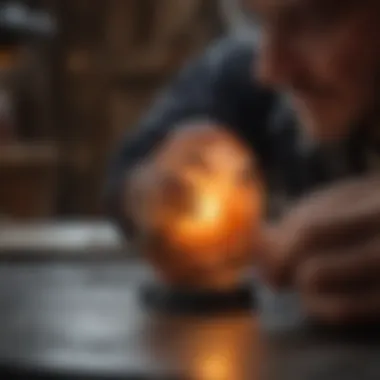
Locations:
{"points": [[223, 214]]}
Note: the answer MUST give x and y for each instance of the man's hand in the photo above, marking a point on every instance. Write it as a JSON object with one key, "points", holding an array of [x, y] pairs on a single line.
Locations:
{"points": [[328, 247], [159, 188]]}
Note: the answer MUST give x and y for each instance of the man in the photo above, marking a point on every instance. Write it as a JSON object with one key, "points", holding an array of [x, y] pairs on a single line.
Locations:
{"points": [[319, 133]]}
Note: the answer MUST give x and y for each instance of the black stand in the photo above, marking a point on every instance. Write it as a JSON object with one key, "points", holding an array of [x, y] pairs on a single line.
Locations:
{"points": [[167, 300]]}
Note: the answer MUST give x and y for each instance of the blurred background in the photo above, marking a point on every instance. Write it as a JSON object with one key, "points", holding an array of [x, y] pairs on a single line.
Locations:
{"points": [[75, 75]]}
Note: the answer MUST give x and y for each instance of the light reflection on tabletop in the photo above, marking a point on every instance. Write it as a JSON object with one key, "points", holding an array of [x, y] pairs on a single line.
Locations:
{"points": [[220, 348]]}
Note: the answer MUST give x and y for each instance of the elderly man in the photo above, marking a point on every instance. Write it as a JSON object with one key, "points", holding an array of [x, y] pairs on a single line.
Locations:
{"points": [[304, 96]]}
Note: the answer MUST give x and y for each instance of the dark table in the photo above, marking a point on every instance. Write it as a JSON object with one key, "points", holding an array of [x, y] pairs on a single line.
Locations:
{"points": [[84, 321]]}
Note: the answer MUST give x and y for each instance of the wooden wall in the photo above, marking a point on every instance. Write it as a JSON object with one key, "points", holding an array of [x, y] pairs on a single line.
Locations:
{"points": [[116, 54], [92, 82]]}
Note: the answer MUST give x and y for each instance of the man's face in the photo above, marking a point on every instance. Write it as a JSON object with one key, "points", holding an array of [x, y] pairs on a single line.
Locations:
{"points": [[324, 54]]}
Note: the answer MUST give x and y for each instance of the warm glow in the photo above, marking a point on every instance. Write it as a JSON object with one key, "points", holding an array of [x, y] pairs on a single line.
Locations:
{"points": [[219, 348], [223, 207], [204, 221], [220, 202], [215, 367], [208, 209]]}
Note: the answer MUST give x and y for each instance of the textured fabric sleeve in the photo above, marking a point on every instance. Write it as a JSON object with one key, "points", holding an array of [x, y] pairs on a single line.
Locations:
{"points": [[217, 86]]}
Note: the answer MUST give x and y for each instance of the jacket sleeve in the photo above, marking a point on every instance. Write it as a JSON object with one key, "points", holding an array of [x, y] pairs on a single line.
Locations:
{"points": [[217, 87]]}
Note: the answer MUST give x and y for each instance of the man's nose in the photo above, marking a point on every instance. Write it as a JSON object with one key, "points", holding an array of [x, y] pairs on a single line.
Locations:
{"points": [[275, 63]]}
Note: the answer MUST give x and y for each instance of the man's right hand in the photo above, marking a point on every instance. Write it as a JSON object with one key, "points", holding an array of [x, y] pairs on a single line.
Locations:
{"points": [[158, 184], [157, 187]]}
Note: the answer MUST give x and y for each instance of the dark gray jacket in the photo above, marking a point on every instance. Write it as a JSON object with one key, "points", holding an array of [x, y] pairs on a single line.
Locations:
{"points": [[219, 86]]}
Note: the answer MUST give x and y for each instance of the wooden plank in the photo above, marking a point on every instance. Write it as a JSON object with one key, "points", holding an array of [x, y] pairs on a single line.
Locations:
{"points": [[29, 155]]}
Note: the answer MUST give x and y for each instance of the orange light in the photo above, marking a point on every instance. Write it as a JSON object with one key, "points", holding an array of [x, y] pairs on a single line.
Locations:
{"points": [[225, 208], [221, 202]]}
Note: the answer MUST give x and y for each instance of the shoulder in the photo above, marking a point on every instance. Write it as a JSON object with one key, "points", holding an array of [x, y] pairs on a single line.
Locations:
{"points": [[232, 61], [225, 60], [230, 52], [231, 66]]}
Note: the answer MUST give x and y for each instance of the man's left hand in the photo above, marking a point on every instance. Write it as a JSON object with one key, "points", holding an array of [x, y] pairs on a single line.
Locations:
{"points": [[328, 247]]}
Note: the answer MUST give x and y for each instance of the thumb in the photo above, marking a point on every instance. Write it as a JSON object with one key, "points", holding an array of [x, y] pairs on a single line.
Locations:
{"points": [[273, 258]]}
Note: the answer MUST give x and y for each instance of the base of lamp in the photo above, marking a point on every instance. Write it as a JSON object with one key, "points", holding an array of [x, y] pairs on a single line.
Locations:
{"points": [[184, 301]]}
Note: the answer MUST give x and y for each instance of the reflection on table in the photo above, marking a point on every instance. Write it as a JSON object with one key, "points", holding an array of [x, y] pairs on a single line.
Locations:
{"points": [[86, 318]]}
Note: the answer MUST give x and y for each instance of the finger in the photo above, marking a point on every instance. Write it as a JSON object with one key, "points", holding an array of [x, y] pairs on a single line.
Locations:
{"points": [[336, 198], [333, 227], [175, 194], [196, 134], [168, 263], [186, 142], [356, 221], [345, 206], [295, 240], [343, 308], [153, 244], [269, 260], [350, 268], [143, 191]]}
